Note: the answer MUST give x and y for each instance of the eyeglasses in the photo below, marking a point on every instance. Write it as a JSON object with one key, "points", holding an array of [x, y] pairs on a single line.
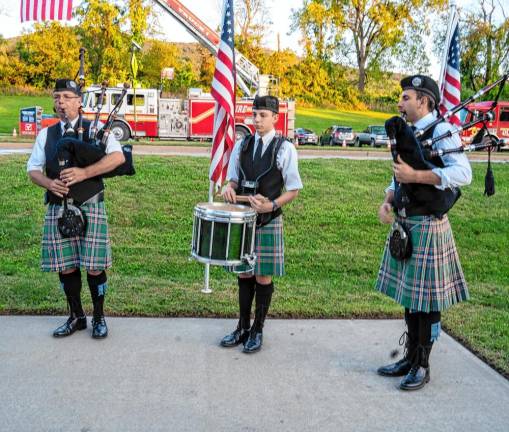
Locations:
{"points": [[64, 97]]}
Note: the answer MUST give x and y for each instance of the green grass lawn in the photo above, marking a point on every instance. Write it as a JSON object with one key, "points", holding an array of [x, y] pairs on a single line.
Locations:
{"points": [[317, 119], [333, 248]]}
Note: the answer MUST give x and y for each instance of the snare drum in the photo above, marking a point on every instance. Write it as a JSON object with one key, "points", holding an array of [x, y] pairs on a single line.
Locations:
{"points": [[223, 234]]}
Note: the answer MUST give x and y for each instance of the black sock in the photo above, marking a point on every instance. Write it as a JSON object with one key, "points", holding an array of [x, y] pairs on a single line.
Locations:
{"points": [[429, 329], [246, 295], [71, 284], [98, 286], [263, 297]]}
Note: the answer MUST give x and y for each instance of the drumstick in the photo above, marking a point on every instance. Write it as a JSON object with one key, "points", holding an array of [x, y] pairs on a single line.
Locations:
{"points": [[244, 198]]}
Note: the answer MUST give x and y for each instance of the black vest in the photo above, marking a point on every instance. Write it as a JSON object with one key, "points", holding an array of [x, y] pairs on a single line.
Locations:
{"points": [[80, 192], [264, 171], [422, 199]]}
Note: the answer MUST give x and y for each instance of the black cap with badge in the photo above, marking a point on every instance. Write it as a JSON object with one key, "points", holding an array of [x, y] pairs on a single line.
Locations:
{"points": [[65, 84], [423, 84], [270, 103]]}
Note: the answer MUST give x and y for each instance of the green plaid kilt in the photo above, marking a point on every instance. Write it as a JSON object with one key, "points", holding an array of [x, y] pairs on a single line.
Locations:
{"points": [[432, 278], [269, 250], [91, 250]]}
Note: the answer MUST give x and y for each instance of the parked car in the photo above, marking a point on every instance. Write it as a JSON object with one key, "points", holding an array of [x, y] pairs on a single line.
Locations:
{"points": [[305, 136], [337, 135], [375, 136]]}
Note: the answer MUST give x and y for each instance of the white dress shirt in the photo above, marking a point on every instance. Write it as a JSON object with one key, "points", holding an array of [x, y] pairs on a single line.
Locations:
{"points": [[286, 161], [37, 160]]}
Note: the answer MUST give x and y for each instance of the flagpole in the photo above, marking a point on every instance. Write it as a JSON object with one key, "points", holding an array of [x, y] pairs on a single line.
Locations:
{"points": [[206, 288], [452, 10]]}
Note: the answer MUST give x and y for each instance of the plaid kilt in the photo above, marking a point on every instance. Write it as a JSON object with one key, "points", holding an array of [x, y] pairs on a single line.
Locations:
{"points": [[432, 278], [269, 250], [91, 250]]}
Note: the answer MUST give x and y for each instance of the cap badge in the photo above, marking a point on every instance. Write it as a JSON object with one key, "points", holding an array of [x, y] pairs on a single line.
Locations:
{"points": [[416, 81]]}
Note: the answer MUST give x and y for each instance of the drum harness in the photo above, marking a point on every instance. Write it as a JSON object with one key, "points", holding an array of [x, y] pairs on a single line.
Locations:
{"points": [[251, 186]]}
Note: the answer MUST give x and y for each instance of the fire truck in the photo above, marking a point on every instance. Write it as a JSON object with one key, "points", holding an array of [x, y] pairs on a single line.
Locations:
{"points": [[498, 126], [170, 118], [192, 117]]}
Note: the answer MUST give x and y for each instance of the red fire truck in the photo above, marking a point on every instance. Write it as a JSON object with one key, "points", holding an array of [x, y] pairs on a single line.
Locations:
{"points": [[498, 127], [171, 118]]}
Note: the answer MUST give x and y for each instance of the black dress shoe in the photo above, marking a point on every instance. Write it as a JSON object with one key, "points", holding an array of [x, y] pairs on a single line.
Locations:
{"points": [[70, 326], [254, 342], [235, 338], [400, 368], [99, 328], [415, 379]]}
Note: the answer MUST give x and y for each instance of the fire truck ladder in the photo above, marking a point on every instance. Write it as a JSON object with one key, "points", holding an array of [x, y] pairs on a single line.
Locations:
{"points": [[248, 76]]}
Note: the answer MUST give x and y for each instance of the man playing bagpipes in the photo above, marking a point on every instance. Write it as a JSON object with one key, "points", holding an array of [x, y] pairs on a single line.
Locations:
{"points": [[75, 231], [264, 167], [420, 267]]}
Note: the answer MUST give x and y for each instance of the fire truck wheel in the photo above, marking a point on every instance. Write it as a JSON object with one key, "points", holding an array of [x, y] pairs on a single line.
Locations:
{"points": [[240, 133], [120, 131]]}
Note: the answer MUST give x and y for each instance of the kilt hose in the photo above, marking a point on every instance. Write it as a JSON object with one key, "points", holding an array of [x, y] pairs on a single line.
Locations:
{"points": [[91, 251], [431, 280], [269, 250]]}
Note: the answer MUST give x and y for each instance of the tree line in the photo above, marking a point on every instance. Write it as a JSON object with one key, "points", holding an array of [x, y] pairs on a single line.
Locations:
{"points": [[350, 48]]}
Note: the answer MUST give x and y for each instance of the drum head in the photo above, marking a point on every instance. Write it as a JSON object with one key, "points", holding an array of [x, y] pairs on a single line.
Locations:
{"points": [[224, 210]]}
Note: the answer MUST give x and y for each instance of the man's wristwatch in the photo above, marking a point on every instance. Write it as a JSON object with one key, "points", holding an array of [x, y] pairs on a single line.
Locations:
{"points": [[275, 206]]}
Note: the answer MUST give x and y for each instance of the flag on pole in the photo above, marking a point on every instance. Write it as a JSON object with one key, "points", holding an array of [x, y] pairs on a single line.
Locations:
{"points": [[223, 91], [45, 10], [450, 77]]}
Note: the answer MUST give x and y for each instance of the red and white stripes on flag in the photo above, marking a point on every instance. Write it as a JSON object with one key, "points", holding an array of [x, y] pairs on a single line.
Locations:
{"points": [[223, 91], [450, 78], [45, 10]]}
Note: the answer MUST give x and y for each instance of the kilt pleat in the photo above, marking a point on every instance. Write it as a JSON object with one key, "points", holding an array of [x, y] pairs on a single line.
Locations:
{"points": [[432, 278], [269, 250], [91, 251]]}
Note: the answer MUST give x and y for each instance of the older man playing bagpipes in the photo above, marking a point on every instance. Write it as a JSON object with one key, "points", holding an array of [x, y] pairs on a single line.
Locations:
{"points": [[75, 231]]}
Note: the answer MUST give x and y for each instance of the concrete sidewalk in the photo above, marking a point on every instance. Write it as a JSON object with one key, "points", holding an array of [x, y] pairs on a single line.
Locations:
{"points": [[170, 375]]}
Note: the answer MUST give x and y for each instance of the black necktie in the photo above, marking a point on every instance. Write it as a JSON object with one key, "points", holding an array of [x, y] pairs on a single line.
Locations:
{"points": [[258, 152]]}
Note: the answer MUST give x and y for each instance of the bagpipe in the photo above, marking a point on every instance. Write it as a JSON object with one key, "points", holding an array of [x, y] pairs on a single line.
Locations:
{"points": [[416, 149], [75, 151]]}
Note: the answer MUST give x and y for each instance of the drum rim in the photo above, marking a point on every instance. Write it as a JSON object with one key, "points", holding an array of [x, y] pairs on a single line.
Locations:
{"points": [[211, 261], [241, 211], [238, 220]]}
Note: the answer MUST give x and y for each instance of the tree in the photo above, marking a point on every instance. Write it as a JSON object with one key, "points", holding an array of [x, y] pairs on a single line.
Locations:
{"points": [[251, 23], [156, 56], [100, 31], [484, 45], [364, 31], [50, 52], [318, 22]]}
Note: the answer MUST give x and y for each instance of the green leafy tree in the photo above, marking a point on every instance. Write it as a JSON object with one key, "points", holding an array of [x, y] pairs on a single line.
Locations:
{"points": [[100, 30], [484, 45], [364, 32], [48, 53]]}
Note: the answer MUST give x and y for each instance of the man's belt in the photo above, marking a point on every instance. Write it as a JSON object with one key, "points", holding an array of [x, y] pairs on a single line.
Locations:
{"points": [[97, 198]]}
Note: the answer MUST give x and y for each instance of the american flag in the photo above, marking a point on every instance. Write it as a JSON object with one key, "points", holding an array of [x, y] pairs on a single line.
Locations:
{"points": [[45, 10], [450, 89], [223, 91]]}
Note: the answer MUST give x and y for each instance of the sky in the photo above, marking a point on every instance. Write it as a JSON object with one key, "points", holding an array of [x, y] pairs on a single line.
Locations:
{"points": [[209, 12]]}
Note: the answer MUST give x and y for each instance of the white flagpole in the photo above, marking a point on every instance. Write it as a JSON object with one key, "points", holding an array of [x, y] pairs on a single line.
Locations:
{"points": [[206, 288], [452, 9]]}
